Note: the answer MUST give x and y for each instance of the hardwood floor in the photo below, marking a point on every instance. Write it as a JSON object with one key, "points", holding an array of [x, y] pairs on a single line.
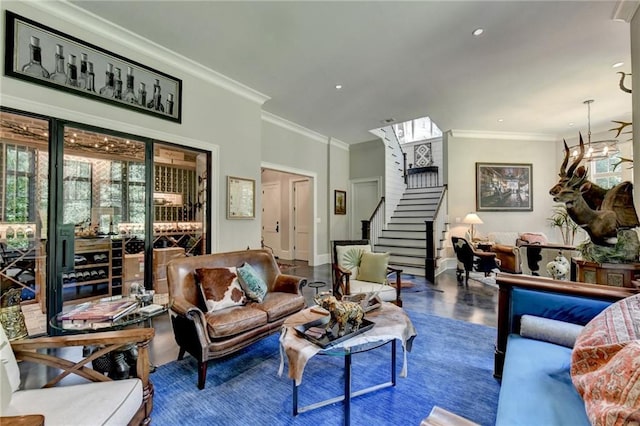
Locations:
{"points": [[476, 303]]}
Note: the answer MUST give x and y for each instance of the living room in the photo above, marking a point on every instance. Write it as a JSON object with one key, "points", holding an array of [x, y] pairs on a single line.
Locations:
{"points": [[250, 133]]}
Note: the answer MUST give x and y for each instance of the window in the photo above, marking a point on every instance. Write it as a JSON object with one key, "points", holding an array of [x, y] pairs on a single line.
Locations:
{"points": [[77, 191], [20, 184], [416, 130], [603, 173]]}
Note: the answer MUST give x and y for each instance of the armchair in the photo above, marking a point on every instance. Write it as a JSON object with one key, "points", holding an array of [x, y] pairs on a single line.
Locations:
{"points": [[96, 400], [470, 259], [350, 278]]}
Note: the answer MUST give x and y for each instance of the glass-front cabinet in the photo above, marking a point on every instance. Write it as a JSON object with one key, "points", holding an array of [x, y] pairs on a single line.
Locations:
{"points": [[122, 207]]}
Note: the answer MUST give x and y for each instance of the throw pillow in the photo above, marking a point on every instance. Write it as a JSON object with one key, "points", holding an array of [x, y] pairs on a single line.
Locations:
{"points": [[373, 267], [220, 288], [605, 364], [549, 330], [532, 238], [253, 285], [348, 257]]}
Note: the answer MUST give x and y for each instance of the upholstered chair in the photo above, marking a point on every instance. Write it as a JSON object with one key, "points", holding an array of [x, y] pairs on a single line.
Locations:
{"points": [[357, 269]]}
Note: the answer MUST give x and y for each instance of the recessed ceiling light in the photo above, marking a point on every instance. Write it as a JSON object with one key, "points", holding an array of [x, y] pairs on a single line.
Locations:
{"points": [[572, 124], [500, 120], [388, 120], [338, 86], [617, 65], [478, 31]]}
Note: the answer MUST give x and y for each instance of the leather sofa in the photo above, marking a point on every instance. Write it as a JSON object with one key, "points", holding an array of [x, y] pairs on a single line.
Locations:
{"points": [[211, 335], [536, 386]]}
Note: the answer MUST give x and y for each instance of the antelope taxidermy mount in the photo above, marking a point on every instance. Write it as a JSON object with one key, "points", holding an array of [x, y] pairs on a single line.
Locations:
{"points": [[605, 212]]}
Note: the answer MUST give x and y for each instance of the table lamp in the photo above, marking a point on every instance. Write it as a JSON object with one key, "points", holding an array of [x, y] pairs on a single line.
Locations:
{"points": [[473, 219]]}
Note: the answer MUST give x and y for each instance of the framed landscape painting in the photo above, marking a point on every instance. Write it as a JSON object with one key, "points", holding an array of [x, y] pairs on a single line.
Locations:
{"points": [[504, 187]]}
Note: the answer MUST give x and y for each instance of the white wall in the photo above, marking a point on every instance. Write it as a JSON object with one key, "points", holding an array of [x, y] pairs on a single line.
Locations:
{"points": [[463, 152], [437, 153], [292, 149]]}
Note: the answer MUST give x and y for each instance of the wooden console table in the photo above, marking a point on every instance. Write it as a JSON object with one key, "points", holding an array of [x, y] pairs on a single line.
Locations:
{"points": [[613, 274]]}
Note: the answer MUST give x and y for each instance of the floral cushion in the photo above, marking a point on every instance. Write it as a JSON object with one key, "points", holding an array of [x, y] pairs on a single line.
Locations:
{"points": [[605, 364]]}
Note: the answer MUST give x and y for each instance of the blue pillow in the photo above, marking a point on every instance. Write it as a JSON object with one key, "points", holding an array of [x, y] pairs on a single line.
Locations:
{"points": [[253, 285]]}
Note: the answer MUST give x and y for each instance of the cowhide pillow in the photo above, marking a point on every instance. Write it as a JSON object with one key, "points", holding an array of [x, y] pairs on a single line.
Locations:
{"points": [[220, 288]]}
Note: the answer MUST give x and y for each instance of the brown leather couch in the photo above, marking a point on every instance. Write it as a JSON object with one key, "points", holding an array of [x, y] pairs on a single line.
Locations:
{"points": [[211, 335]]}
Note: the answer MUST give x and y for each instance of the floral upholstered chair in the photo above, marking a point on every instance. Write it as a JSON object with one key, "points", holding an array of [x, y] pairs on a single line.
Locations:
{"points": [[356, 269]]}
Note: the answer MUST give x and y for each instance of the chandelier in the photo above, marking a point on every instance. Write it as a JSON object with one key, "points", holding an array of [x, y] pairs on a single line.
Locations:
{"points": [[595, 150]]}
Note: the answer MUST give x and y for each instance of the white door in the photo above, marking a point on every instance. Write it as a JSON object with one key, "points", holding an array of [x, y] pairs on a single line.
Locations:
{"points": [[364, 201], [301, 219], [271, 217]]}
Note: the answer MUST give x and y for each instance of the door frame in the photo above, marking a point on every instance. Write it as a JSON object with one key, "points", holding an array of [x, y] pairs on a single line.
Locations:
{"points": [[277, 251], [354, 227], [313, 177], [292, 222]]}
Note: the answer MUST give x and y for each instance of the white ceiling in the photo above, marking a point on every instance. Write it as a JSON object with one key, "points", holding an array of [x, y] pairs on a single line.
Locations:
{"points": [[533, 67]]}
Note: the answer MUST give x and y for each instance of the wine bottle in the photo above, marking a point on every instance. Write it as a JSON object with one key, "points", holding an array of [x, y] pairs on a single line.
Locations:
{"points": [[59, 76], [91, 79], [34, 67], [72, 71], [142, 95], [117, 94], [108, 90], [82, 78], [156, 101], [169, 109], [129, 94]]}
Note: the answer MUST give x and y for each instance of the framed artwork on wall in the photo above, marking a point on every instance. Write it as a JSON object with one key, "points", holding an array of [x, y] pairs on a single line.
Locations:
{"points": [[504, 187], [241, 198], [339, 202], [45, 56]]}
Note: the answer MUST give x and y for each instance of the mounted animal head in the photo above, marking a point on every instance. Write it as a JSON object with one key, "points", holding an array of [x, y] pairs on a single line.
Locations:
{"points": [[568, 176]]}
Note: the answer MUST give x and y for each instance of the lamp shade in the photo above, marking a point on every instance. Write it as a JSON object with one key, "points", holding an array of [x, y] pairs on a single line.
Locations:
{"points": [[472, 218]]}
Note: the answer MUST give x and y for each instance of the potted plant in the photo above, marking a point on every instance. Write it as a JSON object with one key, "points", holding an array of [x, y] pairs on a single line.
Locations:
{"points": [[561, 219]]}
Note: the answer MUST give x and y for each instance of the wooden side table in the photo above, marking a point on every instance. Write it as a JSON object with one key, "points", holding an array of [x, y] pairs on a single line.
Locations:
{"points": [[613, 274]]}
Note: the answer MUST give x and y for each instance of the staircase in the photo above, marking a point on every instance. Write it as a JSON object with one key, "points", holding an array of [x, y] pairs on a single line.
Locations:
{"points": [[405, 234]]}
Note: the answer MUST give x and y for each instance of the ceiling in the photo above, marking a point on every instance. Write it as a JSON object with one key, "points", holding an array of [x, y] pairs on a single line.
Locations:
{"points": [[533, 67]]}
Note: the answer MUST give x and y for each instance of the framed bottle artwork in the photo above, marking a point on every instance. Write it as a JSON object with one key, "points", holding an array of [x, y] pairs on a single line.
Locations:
{"points": [[43, 55]]}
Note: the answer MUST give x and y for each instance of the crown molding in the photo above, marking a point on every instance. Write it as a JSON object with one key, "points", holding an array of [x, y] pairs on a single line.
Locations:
{"points": [[290, 125], [480, 134], [624, 10], [95, 24], [339, 144]]}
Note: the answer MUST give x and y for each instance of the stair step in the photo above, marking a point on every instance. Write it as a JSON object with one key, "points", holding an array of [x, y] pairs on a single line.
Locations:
{"points": [[410, 219], [400, 251], [403, 235], [430, 189], [403, 241], [416, 207], [409, 269], [406, 226], [413, 213], [407, 259]]}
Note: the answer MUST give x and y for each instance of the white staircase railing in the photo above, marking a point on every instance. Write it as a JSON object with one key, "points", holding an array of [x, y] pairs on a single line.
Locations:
{"points": [[394, 171], [436, 230]]}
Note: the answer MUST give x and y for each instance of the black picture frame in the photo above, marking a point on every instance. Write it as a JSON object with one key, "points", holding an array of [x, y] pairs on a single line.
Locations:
{"points": [[20, 39], [504, 187], [339, 202]]}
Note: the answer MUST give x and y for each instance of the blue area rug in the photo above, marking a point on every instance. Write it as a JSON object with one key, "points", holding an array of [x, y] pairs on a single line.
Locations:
{"points": [[450, 365]]}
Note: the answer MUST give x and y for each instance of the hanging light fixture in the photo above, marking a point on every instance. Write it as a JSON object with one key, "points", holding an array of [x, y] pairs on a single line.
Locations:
{"points": [[595, 150]]}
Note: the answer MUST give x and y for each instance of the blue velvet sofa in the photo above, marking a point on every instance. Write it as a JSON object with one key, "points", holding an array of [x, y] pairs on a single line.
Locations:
{"points": [[536, 387]]}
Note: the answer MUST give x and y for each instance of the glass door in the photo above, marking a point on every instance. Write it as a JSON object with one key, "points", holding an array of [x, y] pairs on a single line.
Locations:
{"points": [[104, 207], [24, 194]]}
